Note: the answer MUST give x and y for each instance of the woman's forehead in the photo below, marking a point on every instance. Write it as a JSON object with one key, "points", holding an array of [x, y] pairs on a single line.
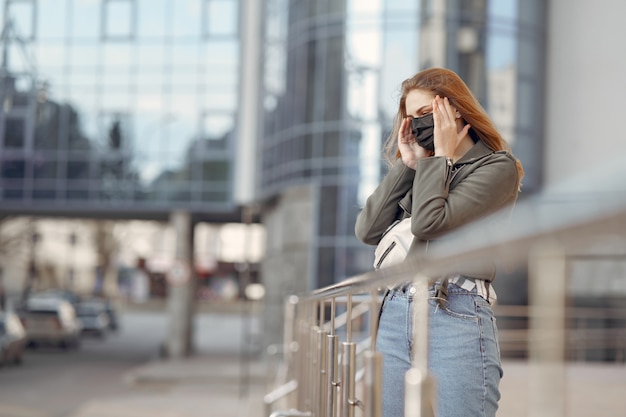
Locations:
{"points": [[417, 99]]}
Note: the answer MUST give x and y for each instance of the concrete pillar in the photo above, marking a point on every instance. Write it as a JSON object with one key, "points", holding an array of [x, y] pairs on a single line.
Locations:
{"points": [[182, 288]]}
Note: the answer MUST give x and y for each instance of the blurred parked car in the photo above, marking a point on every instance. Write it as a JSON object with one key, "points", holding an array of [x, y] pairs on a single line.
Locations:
{"points": [[93, 317], [58, 294], [12, 338], [50, 321]]}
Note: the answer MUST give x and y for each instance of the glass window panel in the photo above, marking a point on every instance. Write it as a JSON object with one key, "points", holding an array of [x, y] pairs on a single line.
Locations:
{"points": [[83, 56], [185, 110], [77, 169], [186, 55], [114, 101], [221, 18], [151, 21], [151, 57], [87, 122], [118, 55], [115, 131], [14, 132], [503, 9], [150, 103], [215, 171], [51, 19], [83, 98], [185, 79], [363, 95], [47, 129], [150, 83], [222, 52], [45, 169], [151, 133], [216, 126], [44, 191], [117, 79], [23, 14], [501, 51], [186, 18], [220, 100], [150, 169], [85, 19], [49, 55], [180, 133], [17, 61], [118, 19]]}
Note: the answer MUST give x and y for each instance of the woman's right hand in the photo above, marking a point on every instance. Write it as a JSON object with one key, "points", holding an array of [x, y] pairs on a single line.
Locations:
{"points": [[410, 151]]}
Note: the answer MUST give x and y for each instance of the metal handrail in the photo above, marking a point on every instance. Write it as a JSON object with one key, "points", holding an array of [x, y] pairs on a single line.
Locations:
{"points": [[542, 231]]}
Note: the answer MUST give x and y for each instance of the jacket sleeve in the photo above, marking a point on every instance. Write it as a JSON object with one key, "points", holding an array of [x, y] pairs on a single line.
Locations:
{"points": [[381, 208], [436, 209]]}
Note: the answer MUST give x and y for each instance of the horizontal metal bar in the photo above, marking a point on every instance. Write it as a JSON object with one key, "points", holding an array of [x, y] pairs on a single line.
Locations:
{"points": [[280, 392], [291, 413]]}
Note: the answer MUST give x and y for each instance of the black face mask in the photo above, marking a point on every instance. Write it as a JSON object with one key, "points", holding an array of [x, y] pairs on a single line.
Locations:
{"points": [[423, 129]]}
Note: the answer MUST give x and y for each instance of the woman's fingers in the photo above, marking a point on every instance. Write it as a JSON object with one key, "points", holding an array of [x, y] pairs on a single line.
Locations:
{"points": [[443, 110]]}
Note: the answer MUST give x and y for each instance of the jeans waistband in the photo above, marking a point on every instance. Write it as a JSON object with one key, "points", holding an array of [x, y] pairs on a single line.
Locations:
{"points": [[408, 289]]}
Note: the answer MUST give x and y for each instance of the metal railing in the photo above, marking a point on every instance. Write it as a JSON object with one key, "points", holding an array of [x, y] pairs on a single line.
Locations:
{"points": [[319, 376]]}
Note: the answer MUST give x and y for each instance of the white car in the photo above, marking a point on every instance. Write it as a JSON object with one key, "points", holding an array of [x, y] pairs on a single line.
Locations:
{"points": [[51, 321], [12, 338]]}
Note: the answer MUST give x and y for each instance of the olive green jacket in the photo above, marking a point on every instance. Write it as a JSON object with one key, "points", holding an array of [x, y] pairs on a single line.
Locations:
{"points": [[440, 198]]}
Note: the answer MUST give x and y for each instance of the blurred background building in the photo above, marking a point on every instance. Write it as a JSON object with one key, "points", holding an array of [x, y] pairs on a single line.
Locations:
{"points": [[273, 112]]}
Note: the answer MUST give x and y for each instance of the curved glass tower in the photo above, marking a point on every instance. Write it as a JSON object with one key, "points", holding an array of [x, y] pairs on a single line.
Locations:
{"points": [[332, 73]]}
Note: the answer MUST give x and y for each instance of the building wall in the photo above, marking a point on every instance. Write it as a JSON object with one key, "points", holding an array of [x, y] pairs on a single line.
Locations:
{"points": [[585, 110], [289, 259], [586, 64]]}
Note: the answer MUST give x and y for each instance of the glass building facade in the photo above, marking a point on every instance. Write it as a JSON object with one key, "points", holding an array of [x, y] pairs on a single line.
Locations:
{"points": [[124, 107], [332, 73]]}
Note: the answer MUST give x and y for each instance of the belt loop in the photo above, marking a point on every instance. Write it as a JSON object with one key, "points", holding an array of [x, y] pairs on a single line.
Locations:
{"points": [[441, 292]]}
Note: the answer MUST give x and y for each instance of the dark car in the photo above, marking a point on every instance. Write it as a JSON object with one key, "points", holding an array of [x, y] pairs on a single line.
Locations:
{"points": [[12, 338], [93, 316]]}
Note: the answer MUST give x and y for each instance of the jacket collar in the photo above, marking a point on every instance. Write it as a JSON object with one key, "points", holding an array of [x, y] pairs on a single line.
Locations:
{"points": [[479, 150]]}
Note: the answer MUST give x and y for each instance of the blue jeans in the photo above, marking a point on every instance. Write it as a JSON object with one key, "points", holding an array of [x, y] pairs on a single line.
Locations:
{"points": [[464, 356]]}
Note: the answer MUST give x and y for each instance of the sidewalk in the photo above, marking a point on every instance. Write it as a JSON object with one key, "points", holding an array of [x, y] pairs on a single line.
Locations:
{"points": [[221, 381], [223, 386], [200, 386]]}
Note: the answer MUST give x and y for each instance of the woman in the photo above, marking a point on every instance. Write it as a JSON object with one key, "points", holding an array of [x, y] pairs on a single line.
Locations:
{"points": [[448, 166]]}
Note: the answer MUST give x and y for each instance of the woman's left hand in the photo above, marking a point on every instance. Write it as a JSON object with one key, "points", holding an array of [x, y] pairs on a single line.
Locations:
{"points": [[447, 133]]}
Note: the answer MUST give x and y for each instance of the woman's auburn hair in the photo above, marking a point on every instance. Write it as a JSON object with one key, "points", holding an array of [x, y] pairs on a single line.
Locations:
{"points": [[446, 83]]}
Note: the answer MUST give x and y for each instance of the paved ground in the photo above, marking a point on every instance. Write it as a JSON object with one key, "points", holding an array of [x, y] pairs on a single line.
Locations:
{"points": [[224, 381], [218, 386]]}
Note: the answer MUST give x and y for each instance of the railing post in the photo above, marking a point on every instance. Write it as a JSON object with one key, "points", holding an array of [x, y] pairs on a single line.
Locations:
{"points": [[547, 331], [348, 376], [420, 390], [331, 372], [348, 367], [332, 364], [373, 365]]}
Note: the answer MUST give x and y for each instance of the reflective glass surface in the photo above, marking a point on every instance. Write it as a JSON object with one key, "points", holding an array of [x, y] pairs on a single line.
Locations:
{"points": [[123, 101]]}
